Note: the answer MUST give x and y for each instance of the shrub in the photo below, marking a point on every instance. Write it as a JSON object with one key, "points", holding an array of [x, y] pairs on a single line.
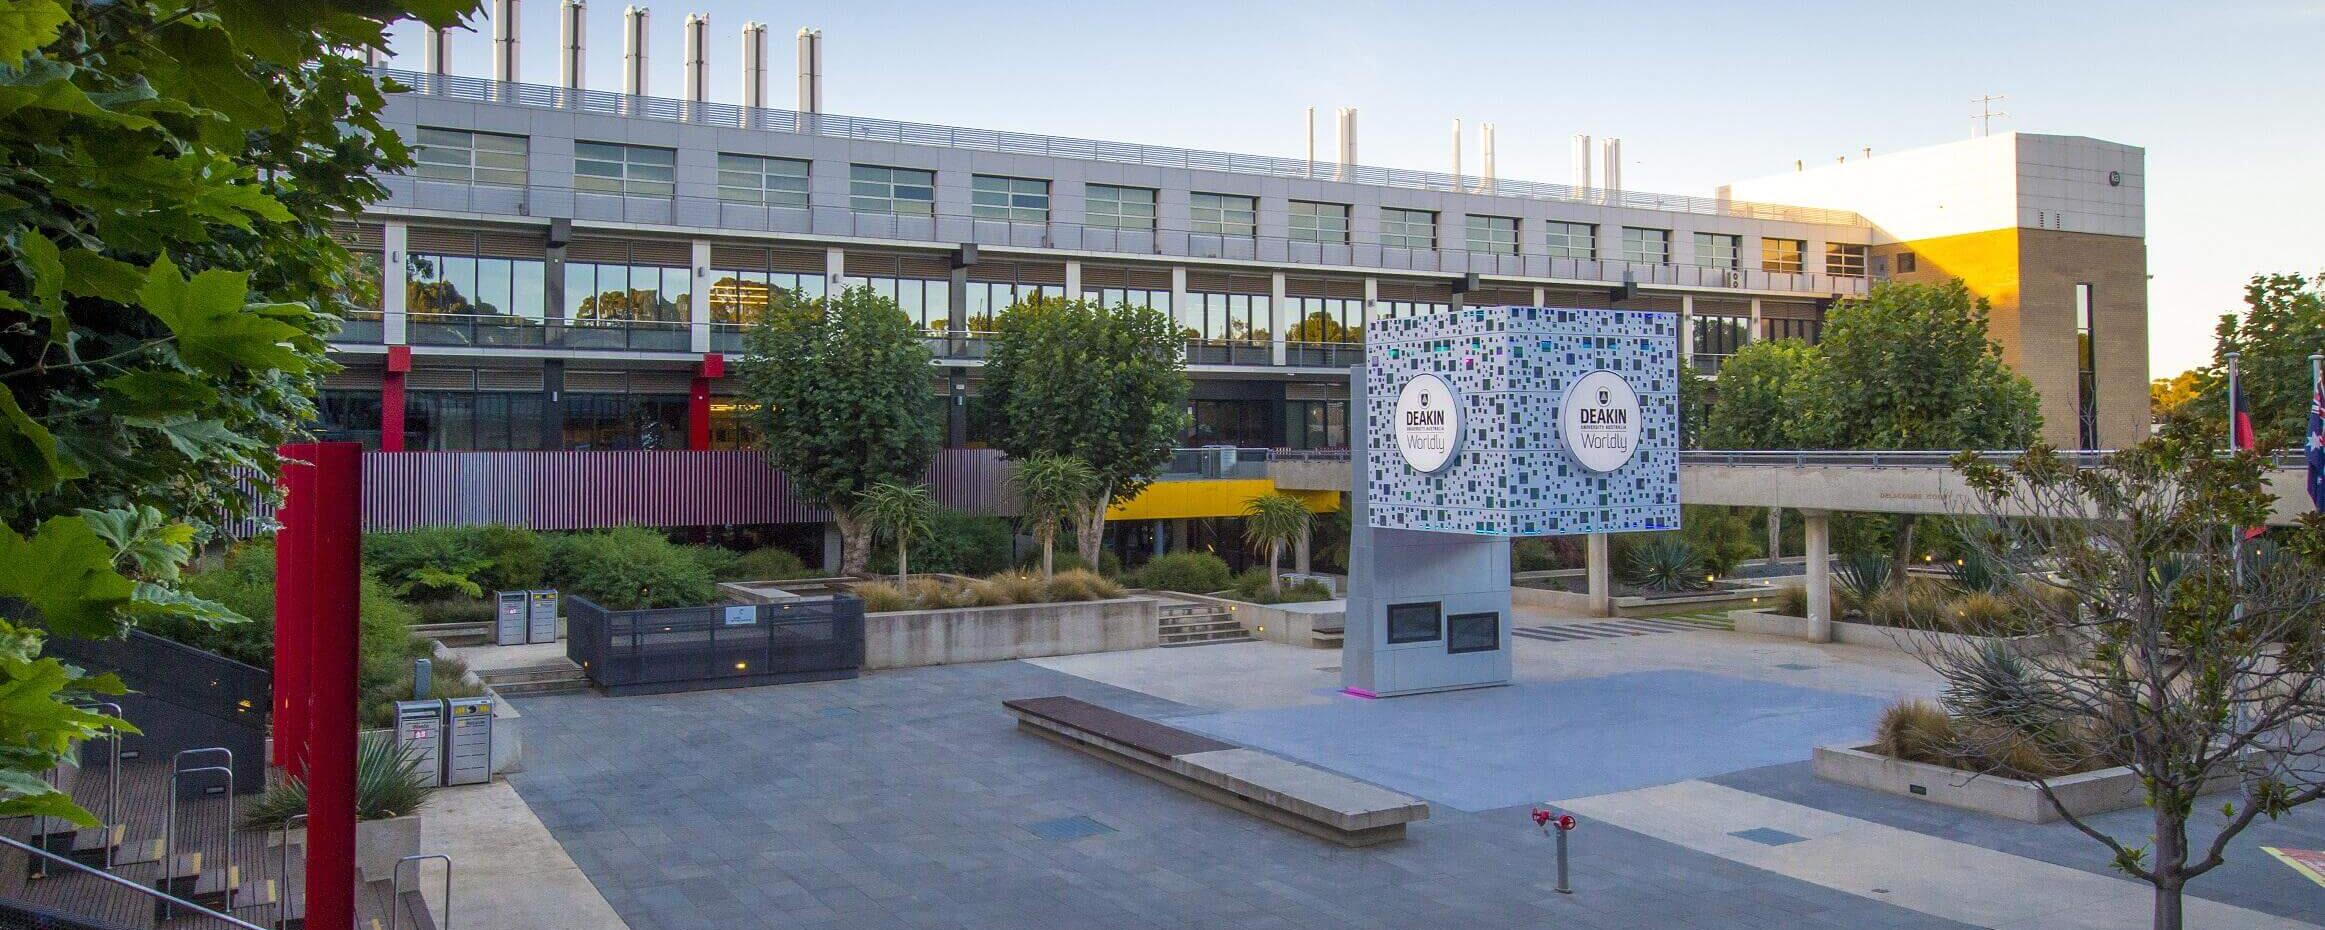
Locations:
{"points": [[1722, 535], [1908, 606], [1543, 553], [455, 610], [628, 569], [1978, 613], [930, 593], [1020, 588], [1067, 560], [244, 583], [1972, 572], [881, 596], [1792, 602], [387, 784], [766, 563], [716, 560], [1082, 585], [1917, 731], [987, 593], [959, 543], [436, 562], [1863, 574], [1664, 563], [1252, 586], [444, 681], [514, 556], [1187, 572]]}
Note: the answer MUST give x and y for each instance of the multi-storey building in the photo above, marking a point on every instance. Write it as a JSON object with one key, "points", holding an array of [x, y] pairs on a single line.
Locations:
{"points": [[569, 269]]}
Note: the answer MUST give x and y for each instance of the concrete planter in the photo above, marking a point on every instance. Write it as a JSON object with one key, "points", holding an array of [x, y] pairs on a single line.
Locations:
{"points": [[1769, 623], [2111, 789], [1291, 624], [905, 638], [380, 844]]}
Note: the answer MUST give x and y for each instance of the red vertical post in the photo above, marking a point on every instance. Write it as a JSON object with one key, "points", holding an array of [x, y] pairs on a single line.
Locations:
{"points": [[391, 399], [714, 365], [334, 565], [292, 596]]}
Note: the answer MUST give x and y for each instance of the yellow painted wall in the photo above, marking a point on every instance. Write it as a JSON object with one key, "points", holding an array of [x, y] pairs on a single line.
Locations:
{"points": [[1226, 497], [1988, 262]]}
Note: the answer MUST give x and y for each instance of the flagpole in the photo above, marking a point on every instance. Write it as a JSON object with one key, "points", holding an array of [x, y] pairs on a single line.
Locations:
{"points": [[2232, 399]]}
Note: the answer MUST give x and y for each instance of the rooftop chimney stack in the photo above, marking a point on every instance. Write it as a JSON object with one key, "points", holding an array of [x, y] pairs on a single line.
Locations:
{"points": [[810, 76], [1347, 142], [504, 40], [1311, 142], [755, 65], [436, 57], [697, 28], [634, 51], [1457, 156], [1611, 165], [1485, 165], [572, 25], [375, 57], [1582, 178]]}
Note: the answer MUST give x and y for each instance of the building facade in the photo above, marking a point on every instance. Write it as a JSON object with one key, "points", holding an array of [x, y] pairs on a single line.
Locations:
{"points": [[570, 269]]}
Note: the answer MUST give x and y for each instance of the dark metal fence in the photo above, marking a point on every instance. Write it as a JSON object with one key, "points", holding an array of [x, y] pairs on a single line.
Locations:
{"points": [[183, 698], [719, 646]]}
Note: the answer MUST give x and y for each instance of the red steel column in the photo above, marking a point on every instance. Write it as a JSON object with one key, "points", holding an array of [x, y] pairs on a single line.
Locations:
{"points": [[391, 399], [334, 564], [714, 365], [292, 599]]}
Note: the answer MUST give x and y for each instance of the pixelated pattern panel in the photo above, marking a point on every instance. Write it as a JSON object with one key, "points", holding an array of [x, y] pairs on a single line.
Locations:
{"points": [[1513, 475]]}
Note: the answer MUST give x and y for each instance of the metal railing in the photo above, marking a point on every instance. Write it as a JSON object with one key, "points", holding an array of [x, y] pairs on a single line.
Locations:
{"points": [[396, 889], [501, 330], [161, 898], [1216, 462], [685, 648], [950, 229], [859, 128], [2081, 458]]}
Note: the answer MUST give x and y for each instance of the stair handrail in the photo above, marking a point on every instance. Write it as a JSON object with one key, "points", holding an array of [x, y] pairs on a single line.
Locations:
{"points": [[169, 843], [166, 897], [112, 739], [396, 889], [282, 904]]}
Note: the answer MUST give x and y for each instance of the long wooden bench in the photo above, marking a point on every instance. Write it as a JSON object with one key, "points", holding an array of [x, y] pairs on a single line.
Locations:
{"points": [[1279, 790]]}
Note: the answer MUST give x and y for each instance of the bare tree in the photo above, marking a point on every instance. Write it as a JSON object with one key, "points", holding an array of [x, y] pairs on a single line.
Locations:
{"points": [[2195, 656]]}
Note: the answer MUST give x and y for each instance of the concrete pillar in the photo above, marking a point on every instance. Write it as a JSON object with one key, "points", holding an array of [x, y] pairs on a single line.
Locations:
{"points": [[698, 299], [835, 268], [1819, 531], [393, 285], [831, 548], [1371, 302], [1599, 561], [1300, 554], [1775, 534], [1753, 335], [1178, 292], [1162, 536], [1541, 297], [1686, 330], [1073, 280]]}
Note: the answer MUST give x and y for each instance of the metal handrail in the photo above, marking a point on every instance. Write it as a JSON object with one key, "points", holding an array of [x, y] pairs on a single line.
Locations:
{"points": [[396, 889], [282, 903], [882, 130], [168, 900], [169, 844], [112, 739]]}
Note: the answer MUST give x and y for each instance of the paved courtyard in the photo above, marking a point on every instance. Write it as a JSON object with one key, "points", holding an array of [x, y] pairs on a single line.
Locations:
{"points": [[907, 799]]}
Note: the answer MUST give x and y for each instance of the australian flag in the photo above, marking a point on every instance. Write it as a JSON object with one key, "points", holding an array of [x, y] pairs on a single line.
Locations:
{"points": [[2317, 447]]}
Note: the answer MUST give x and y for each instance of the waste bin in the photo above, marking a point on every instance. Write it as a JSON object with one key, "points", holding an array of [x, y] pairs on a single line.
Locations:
{"points": [[468, 753], [542, 614], [509, 622], [420, 730]]}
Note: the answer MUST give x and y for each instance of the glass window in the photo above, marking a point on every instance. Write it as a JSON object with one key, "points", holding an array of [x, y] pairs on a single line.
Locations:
{"points": [[472, 157], [1408, 229], [1224, 214], [1017, 200], [1107, 206], [441, 285], [1719, 250], [625, 421], [1415, 623], [347, 416], [1478, 632], [1783, 255], [776, 182], [1145, 298], [1844, 260], [1326, 319], [902, 191], [1572, 240], [1808, 331], [736, 296], [603, 292], [1646, 245], [2087, 372], [928, 302], [1325, 223], [643, 170], [461, 421], [1496, 234], [1717, 337], [1315, 424], [1907, 263], [1226, 317]]}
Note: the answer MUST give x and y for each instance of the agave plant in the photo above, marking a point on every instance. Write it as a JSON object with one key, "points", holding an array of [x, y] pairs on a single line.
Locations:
{"points": [[387, 784], [1664, 563], [1862, 575], [1973, 573]]}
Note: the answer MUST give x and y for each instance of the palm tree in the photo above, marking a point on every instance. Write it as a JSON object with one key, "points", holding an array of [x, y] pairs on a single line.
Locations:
{"points": [[1052, 489], [1270, 521], [899, 512]]}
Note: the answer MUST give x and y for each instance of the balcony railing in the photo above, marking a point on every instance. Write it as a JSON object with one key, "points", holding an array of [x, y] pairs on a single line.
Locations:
{"points": [[456, 329], [879, 130], [491, 200]]}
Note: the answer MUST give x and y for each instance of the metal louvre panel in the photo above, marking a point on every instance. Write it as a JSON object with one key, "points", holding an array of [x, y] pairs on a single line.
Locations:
{"points": [[1041, 273], [661, 252], [511, 245], [353, 379], [1778, 310], [1585, 299], [741, 257], [806, 261], [1436, 291], [873, 265], [993, 271], [360, 237], [1310, 390], [1135, 277], [1668, 303], [1495, 297], [661, 382], [445, 241], [598, 250], [598, 382], [922, 266], [1348, 288], [441, 379], [1215, 282], [508, 379], [1717, 306]]}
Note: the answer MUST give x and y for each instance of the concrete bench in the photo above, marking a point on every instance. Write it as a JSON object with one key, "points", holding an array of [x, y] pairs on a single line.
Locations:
{"points": [[1279, 790]]}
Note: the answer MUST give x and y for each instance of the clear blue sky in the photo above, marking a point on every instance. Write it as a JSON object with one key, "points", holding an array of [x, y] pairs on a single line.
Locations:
{"points": [[2226, 98]]}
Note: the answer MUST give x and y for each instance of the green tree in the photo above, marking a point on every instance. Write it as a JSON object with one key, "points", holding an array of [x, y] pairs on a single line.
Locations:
{"points": [[841, 386], [2282, 324], [1108, 387], [1271, 521], [899, 513], [1758, 389], [1052, 490], [169, 174], [2200, 660], [2168, 396], [1910, 366], [1695, 406]]}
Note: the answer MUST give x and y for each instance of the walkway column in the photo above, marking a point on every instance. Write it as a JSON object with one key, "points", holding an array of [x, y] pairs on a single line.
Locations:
{"points": [[1598, 557], [391, 399], [320, 549], [1300, 552], [1819, 532], [714, 366], [1775, 535]]}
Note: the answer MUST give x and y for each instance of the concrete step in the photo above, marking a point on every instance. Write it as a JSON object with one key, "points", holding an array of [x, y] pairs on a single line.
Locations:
{"points": [[1208, 633], [560, 670], [542, 686], [1207, 641], [1208, 620]]}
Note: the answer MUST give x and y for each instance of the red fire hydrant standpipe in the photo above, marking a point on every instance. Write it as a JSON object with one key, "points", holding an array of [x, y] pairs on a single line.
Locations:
{"points": [[1545, 818]]}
